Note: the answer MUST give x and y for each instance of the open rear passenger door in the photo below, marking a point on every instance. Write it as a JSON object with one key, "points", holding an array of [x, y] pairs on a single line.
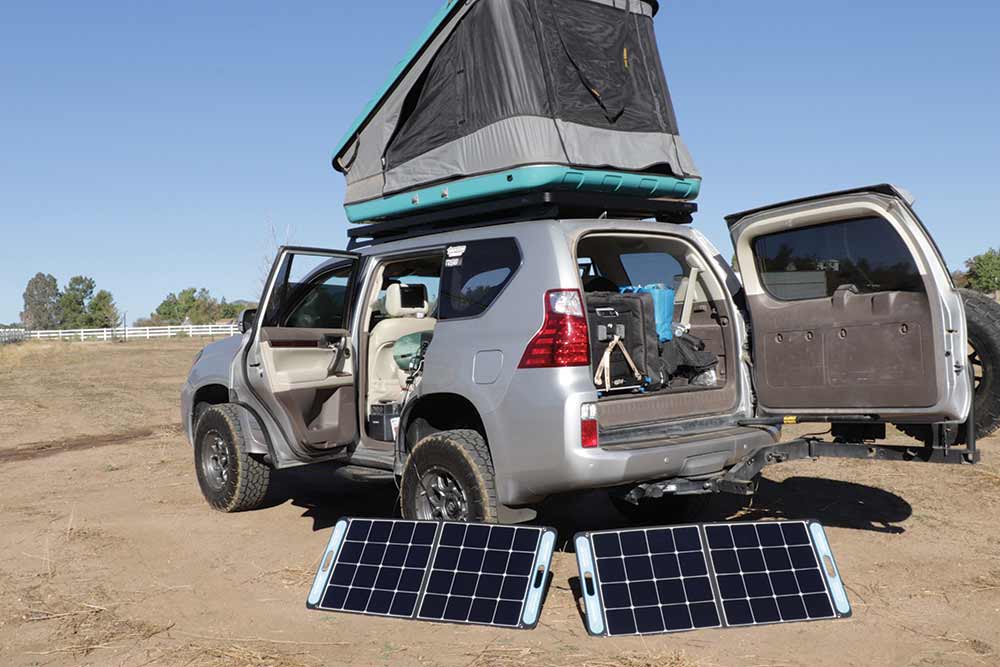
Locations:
{"points": [[852, 309], [300, 360]]}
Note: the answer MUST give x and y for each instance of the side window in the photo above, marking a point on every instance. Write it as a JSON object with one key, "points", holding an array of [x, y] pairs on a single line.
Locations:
{"points": [[324, 304], [811, 263], [650, 268], [474, 275]]}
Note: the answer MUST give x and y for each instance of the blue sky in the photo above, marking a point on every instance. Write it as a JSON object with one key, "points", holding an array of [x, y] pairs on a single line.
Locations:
{"points": [[152, 145]]}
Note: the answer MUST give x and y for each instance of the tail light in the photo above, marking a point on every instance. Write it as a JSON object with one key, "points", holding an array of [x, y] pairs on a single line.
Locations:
{"points": [[588, 426], [563, 339]]}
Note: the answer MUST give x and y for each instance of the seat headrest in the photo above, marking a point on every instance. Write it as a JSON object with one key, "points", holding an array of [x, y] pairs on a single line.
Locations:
{"points": [[405, 300]]}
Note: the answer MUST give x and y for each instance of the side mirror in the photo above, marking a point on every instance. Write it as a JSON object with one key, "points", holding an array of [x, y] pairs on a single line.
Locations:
{"points": [[246, 319]]}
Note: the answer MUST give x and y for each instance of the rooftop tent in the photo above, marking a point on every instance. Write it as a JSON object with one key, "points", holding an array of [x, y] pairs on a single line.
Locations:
{"points": [[508, 95]]}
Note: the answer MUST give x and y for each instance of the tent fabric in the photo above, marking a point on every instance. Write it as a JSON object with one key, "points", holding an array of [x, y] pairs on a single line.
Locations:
{"points": [[507, 83]]}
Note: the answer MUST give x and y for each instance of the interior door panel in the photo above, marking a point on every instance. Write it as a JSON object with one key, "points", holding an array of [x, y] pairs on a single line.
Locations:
{"points": [[316, 393], [864, 352]]}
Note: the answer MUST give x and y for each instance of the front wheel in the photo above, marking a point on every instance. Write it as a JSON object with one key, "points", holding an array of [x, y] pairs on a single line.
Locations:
{"points": [[449, 477], [230, 479]]}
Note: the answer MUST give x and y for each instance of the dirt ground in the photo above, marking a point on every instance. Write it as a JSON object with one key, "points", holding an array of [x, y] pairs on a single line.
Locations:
{"points": [[109, 555]]}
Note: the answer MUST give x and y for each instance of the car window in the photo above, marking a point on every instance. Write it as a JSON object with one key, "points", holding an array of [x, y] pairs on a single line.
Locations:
{"points": [[324, 304], [812, 262], [649, 268], [474, 275]]}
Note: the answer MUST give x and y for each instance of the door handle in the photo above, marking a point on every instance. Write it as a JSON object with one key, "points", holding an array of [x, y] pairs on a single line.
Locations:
{"points": [[341, 351]]}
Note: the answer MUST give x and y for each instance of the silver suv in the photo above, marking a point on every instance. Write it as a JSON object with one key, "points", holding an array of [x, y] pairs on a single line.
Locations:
{"points": [[459, 359]]}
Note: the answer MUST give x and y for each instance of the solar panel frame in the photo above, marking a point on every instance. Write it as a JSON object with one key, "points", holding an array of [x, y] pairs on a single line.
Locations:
{"points": [[361, 548], [607, 614]]}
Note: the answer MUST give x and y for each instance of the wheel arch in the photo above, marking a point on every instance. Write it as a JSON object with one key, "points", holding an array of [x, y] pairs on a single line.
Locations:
{"points": [[212, 394], [434, 413]]}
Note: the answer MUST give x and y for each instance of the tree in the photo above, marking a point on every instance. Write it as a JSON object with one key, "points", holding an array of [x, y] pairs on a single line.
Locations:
{"points": [[193, 305], [73, 303], [102, 313], [984, 272], [960, 277], [41, 303]]}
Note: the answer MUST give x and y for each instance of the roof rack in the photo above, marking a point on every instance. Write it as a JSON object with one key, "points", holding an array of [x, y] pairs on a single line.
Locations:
{"points": [[523, 207]]}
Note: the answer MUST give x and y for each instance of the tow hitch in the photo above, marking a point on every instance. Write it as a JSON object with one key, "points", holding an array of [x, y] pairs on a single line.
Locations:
{"points": [[741, 479]]}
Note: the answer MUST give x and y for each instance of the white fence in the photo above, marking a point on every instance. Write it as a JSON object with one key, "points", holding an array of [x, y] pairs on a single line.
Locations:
{"points": [[12, 335], [130, 333]]}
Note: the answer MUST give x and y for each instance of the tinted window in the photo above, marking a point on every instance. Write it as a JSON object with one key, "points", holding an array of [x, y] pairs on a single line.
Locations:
{"points": [[812, 262], [474, 275], [648, 268], [324, 304]]}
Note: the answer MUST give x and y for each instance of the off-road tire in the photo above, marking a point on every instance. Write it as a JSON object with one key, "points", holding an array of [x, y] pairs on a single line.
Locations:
{"points": [[983, 317], [246, 479], [664, 510], [463, 453], [198, 411]]}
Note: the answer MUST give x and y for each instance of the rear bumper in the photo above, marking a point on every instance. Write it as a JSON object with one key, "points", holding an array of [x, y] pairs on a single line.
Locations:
{"points": [[534, 438], [692, 457]]}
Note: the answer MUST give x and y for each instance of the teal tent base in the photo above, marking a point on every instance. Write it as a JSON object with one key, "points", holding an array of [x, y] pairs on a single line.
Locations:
{"points": [[524, 179]]}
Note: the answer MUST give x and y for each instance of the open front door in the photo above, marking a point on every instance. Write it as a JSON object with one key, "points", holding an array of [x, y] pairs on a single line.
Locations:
{"points": [[852, 309], [300, 361]]}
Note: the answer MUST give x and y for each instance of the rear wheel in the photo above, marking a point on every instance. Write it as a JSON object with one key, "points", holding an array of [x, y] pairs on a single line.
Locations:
{"points": [[983, 317], [230, 479], [449, 477]]}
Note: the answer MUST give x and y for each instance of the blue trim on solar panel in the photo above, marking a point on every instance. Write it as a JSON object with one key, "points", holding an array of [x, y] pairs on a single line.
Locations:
{"points": [[454, 572], [767, 572], [653, 581], [539, 577], [588, 586], [326, 563], [833, 580], [379, 567], [668, 579], [483, 574]]}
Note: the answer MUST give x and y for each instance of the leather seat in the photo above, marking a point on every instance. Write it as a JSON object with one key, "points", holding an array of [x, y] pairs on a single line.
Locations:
{"points": [[406, 310]]}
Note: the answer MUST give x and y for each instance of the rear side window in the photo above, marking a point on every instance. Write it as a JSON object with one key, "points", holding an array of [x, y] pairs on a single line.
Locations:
{"points": [[474, 274], [811, 263], [647, 268]]}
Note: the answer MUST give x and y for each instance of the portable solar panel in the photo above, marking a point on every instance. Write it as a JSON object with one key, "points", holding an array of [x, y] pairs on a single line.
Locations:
{"points": [[669, 579], [448, 572]]}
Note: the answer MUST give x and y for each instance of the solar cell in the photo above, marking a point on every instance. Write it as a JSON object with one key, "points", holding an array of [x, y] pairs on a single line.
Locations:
{"points": [[452, 572], [668, 579]]}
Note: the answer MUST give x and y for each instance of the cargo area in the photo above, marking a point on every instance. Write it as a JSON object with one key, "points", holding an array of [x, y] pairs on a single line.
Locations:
{"points": [[685, 350]]}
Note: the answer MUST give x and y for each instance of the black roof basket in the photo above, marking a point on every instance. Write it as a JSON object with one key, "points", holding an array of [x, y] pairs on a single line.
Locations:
{"points": [[540, 205]]}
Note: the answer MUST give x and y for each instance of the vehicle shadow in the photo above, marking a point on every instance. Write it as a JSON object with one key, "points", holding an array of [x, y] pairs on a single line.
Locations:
{"points": [[833, 503], [326, 493]]}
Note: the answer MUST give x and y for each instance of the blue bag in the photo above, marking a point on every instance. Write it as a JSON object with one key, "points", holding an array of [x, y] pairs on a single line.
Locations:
{"points": [[663, 307]]}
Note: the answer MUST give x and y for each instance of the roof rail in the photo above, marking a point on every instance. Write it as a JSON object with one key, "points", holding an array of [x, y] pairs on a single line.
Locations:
{"points": [[521, 208]]}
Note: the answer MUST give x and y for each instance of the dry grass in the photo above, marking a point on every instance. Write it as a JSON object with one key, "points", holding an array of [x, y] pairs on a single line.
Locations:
{"points": [[499, 656], [242, 656], [54, 391], [83, 628]]}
